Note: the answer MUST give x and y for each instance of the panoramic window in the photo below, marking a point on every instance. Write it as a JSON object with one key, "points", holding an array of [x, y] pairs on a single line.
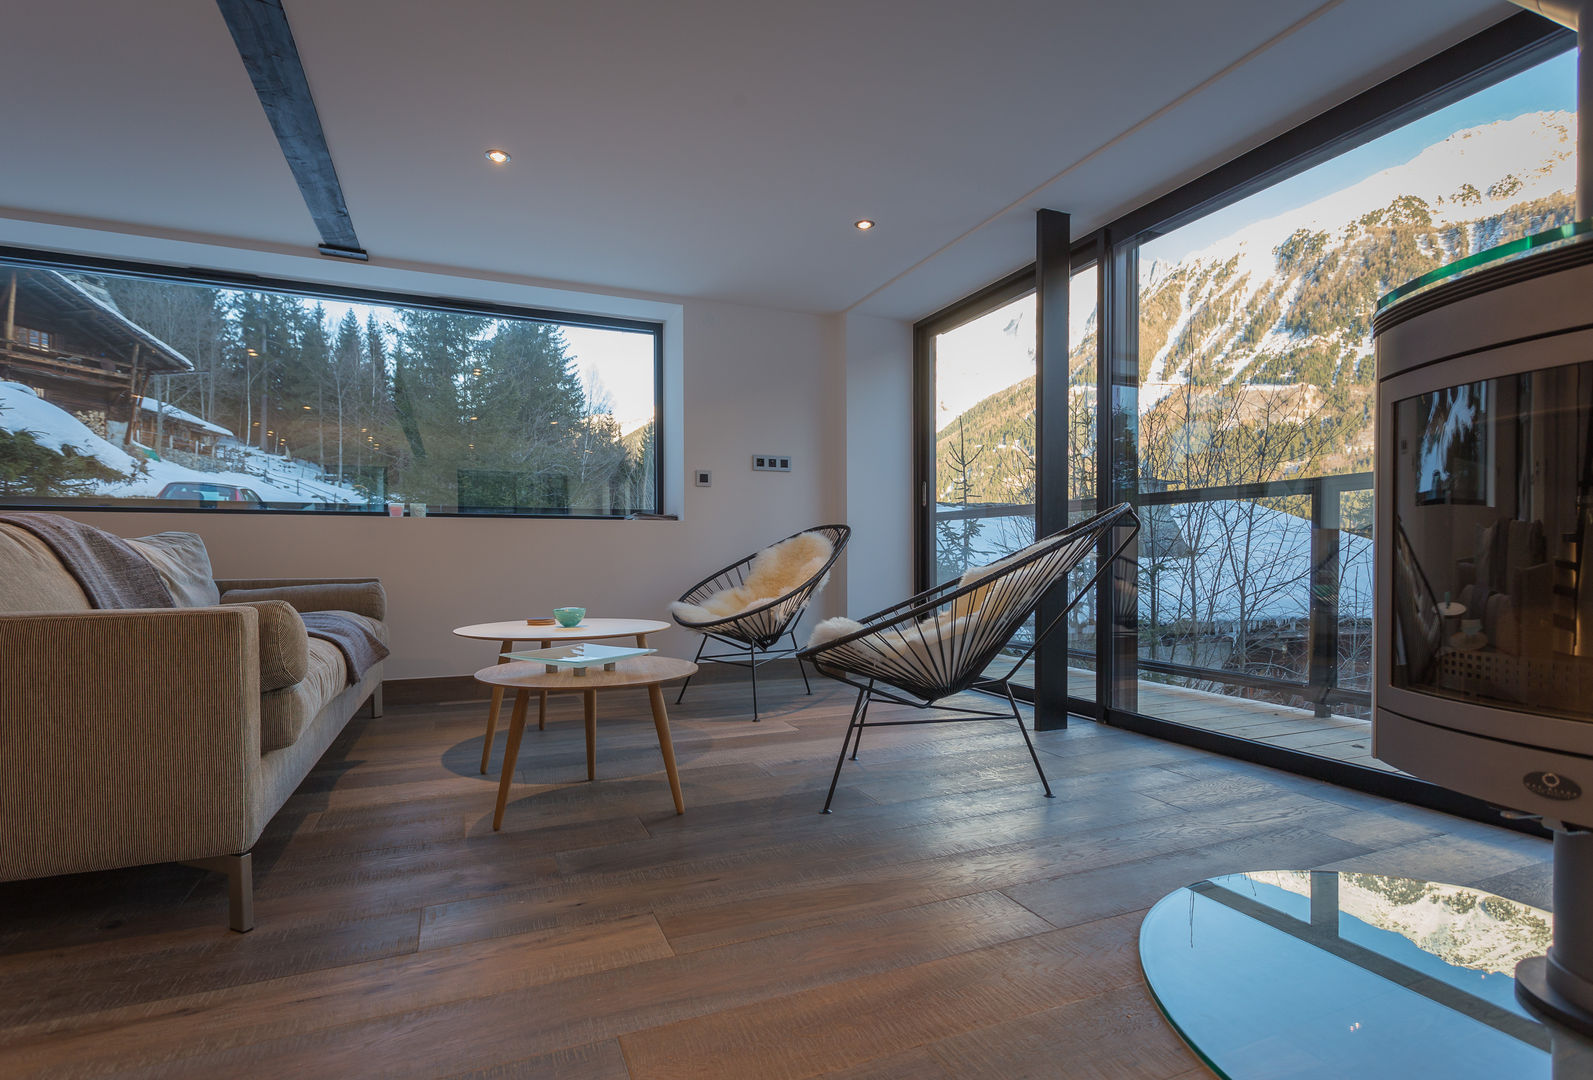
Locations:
{"points": [[118, 390], [1256, 405]]}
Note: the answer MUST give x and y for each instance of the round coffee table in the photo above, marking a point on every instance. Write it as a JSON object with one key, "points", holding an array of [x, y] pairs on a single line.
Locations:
{"points": [[513, 630], [525, 677]]}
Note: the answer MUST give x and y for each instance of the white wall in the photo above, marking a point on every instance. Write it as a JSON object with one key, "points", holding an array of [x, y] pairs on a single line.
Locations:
{"points": [[876, 464]]}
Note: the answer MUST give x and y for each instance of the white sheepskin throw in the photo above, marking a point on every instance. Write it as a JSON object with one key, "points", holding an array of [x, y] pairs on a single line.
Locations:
{"points": [[830, 629], [774, 572], [976, 599]]}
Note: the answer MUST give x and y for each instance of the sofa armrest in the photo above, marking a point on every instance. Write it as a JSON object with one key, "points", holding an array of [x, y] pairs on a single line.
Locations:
{"points": [[129, 737], [362, 596]]}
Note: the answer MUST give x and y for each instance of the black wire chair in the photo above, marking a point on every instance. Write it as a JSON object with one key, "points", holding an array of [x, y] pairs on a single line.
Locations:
{"points": [[941, 642], [756, 631]]}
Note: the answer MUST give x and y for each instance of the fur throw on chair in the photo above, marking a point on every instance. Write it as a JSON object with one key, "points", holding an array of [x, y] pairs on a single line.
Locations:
{"points": [[830, 629], [775, 572]]}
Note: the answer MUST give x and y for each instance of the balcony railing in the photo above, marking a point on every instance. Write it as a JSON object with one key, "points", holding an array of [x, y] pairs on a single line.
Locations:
{"points": [[1285, 563]]}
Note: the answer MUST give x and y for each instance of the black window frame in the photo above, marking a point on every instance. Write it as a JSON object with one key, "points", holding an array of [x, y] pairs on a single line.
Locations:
{"points": [[1509, 47], [35, 258]]}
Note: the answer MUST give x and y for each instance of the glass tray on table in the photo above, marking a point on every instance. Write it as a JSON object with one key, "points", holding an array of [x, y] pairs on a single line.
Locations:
{"points": [[578, 656]]}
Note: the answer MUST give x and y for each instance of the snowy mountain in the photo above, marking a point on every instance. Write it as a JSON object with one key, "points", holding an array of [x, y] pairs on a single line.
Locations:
{"points": [[1272, 324], [1290, 299]]}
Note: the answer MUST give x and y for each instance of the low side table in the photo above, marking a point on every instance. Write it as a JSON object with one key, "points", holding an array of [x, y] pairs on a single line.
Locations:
{"points": [[526, 678], [513, 630]]}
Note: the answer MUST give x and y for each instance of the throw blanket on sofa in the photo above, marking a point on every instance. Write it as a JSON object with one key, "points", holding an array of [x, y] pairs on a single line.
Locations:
{"points": [[360, 648], [110, 570]]}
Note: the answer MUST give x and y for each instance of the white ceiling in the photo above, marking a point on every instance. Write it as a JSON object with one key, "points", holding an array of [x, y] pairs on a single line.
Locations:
{"points": [[703, 148]]}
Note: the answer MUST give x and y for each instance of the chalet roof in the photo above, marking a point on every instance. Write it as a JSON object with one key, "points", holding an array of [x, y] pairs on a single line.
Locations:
{"points": [[156, 407], [91, 303]]}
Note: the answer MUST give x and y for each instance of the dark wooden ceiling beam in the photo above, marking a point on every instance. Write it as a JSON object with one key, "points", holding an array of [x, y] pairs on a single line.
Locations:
{"points": [[265, 42]]}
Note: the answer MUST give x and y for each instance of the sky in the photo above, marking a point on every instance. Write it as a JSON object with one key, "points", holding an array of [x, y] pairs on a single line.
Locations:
{"points": [[996, 350]]}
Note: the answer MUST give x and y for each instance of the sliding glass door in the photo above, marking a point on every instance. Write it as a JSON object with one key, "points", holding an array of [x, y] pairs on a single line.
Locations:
{"points": [[980, 363], [984, 431]]}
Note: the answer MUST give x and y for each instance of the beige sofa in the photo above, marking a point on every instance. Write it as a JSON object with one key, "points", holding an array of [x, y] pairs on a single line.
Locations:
{"points": [[162, 734]]}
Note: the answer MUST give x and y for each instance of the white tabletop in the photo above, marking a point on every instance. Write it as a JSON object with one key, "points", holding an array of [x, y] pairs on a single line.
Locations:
{"points": [[585, 630]]}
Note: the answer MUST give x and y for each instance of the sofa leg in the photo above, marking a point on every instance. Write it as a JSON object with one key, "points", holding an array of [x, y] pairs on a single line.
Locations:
{"points": [[376, 701], [240, 886]]}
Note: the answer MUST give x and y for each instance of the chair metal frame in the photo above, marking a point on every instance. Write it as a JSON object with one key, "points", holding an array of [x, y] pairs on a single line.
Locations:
{"points": [[754, 633], [892, 659]]}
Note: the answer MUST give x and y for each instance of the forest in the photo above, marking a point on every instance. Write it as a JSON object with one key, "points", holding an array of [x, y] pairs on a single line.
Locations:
{"points": [[404, 404]]}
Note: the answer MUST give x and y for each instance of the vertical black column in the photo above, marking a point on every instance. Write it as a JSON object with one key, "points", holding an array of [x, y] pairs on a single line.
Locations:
{"points": [[1053, 242]]}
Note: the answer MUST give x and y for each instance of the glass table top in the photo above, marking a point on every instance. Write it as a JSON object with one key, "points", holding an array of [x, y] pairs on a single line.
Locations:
{"points": [[1317, 975], [582, 654]]}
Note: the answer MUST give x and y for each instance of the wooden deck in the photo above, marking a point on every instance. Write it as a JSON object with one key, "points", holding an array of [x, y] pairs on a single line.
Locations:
{"points": [[945, 922], [1342, 738]]}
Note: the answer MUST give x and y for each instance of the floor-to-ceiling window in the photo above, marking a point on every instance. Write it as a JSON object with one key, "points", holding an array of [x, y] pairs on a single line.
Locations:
{"points": [[1221, 379], [1255, 394]]}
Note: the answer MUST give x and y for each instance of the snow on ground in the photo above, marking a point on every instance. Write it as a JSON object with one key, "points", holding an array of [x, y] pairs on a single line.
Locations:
{"points": [[285, 480], [1216, 560], [23, 410]]}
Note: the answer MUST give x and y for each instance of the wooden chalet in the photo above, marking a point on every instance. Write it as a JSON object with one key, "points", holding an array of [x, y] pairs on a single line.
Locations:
{"points": [[163, 426], [65, 338]]}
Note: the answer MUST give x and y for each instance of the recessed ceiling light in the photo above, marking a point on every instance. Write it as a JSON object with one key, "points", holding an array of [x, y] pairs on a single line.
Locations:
{"points": [[499, 157], [863, 226]]}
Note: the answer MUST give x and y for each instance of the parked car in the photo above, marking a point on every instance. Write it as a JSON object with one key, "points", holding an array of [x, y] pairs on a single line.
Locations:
{"points": [[206, 492]]}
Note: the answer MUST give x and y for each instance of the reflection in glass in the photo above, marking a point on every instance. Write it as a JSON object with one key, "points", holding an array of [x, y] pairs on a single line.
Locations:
{"points": [[1318, 975], [1493, 484], [1451, 459]]}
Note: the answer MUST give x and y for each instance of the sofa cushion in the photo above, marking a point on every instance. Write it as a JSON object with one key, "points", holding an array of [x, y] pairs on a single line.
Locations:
{"points": [[183, 564], [364, 598], [284, 645], [32, 578], [285, 713]]}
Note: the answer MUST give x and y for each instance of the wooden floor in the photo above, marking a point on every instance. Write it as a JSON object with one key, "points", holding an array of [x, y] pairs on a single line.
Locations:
{"points": [[945, 921]]}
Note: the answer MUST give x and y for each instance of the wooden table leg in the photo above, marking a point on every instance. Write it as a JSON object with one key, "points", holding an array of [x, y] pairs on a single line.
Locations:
{"points": [[516, 728], [492, 711], [591, 734], [641, 641], [655, 694]]}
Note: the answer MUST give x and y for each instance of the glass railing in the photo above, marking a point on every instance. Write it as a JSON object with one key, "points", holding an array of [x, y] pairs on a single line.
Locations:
{"points": [[1258, 590]]}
